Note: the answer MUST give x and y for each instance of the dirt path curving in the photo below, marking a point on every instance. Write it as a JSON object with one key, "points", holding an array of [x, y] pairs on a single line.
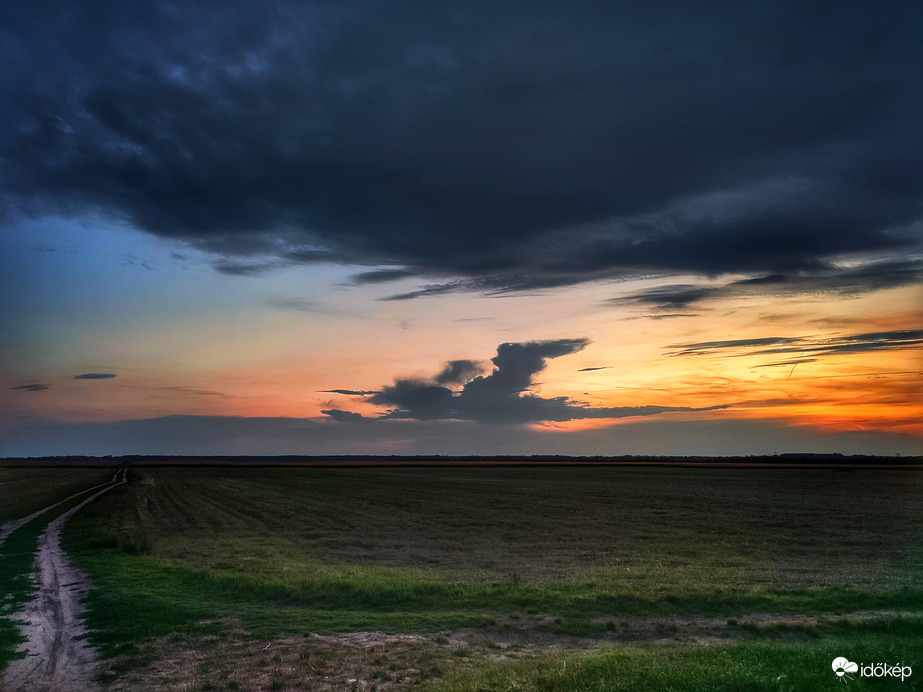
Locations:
{"points": [[11, 526], [57, 659]]}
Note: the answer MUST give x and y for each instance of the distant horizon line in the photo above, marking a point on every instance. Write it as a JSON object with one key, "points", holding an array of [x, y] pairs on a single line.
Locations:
{"points": [[788, 459]]}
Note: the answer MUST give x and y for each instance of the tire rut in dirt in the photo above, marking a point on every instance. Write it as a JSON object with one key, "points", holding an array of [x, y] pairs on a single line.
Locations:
{"points": [[57, 658]]}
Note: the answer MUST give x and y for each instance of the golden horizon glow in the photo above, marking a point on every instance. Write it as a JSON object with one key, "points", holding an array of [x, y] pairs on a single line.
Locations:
{"points": [[278, 365]]}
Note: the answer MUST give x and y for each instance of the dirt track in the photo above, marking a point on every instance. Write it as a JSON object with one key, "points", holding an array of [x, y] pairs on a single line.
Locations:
{"points": [[56, 660], [11, 526]]}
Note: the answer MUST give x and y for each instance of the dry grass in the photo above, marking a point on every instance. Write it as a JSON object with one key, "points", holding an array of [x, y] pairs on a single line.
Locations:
{"points": [[355, 661], [365, 661]]}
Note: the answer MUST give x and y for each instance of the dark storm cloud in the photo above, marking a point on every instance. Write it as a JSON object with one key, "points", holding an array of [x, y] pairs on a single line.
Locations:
{"points": [[503, 396], [840, 281], [458, 371], [670, 297], [704, 347], [859, 343], [343, 416], [855, 343], [247, 269], [481, 146], [31, 387], [381, 276], [95, 376]]}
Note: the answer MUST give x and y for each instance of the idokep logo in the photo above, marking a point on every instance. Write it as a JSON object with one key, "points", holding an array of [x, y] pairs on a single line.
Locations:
{"points": [[843, 666]]}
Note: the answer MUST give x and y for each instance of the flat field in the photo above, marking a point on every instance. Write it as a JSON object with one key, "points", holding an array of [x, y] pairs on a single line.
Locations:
{"points": [[503, 578], [24, 491]]}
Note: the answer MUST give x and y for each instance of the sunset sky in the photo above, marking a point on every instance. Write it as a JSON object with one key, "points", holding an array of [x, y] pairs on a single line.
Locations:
{"points": [[365, 227]]}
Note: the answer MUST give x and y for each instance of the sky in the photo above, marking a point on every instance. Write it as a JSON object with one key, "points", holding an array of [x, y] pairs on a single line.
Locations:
{"points": [[361, 227]]}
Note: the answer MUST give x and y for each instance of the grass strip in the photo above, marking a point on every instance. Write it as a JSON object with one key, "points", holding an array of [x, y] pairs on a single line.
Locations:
{"points": [[741, 667], [142, 597], [17, 559], [17, 556]]}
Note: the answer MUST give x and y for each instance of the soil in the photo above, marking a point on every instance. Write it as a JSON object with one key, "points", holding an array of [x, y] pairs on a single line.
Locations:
{"points": [[57, 659]]}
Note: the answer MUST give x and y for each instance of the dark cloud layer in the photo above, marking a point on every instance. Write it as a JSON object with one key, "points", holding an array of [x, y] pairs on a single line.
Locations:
{"points": [[95, 376], [817, 346], [485, 146], [458, 371], [847, 281], [343, 416], [503, 396]]}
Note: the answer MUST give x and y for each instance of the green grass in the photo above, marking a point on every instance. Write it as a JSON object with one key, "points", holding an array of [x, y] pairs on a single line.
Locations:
{"points": [[646, 531], [292, 551], [17, 553], [27, 490], [756, 666], [16, 558], [140, 597]]}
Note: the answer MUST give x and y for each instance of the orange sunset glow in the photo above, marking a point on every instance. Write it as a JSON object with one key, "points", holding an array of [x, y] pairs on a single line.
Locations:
{"points": [[465, 242]]}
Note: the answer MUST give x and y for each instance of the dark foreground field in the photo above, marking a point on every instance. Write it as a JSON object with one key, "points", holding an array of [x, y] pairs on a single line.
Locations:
{"points": [[494, 578]]}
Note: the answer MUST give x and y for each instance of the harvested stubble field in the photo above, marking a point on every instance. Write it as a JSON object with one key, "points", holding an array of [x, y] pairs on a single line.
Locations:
{"points": [[503, 578]]}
